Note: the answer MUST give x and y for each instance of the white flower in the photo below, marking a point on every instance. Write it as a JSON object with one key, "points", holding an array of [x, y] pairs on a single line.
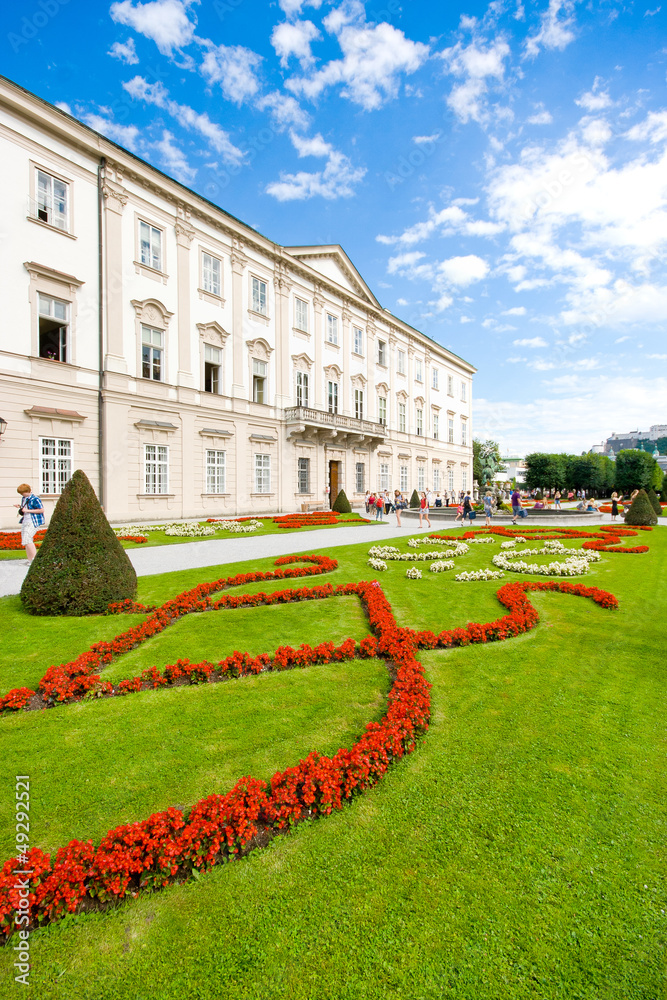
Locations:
{"points": [[480, 574], [441, 565], [414, 573], [378, 564]]}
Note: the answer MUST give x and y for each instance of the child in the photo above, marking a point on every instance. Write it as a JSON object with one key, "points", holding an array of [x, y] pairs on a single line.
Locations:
{"points": [[31, 519]]}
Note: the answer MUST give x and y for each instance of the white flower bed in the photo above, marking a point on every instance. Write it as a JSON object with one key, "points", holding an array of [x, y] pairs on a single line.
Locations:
{"points": [[577, 565], [383, 552], [378, 564], [414, 573], [192, 530], [459, 548], [482, 541], [441, 565], [236, 528], [393, 555], [479, 574]]}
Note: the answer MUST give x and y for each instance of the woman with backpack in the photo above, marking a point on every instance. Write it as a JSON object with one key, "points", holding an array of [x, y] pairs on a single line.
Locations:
{"points": [[423, 510], [379, 506]]}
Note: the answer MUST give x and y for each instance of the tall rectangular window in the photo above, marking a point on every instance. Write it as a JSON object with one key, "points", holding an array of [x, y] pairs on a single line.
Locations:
{"points": [[258, 381], [401, 417], [301, 315], [450, 430], [301, 390], [464, 432], [152, 351], [420, 421], [55, 464], [450, 477], [403, 477], [421, 476], [156, 467], [382, 410], [259, 299], [384, 476], [212, 369], [150, 242], [215, 471], [358, 341], [332, 397], [360, 477], [464, 479], [262, 473], [52, 198], [400, 356], [303, 475], [436, 477], [435, 378], [332, 329], [53, 328], [359, 404], [382, 352], [464, 392], [450, 385], [211, 274], [436, 425], [419, 372]]}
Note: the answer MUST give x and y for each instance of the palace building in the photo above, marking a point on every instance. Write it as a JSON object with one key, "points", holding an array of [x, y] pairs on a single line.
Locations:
{"points": [[189, 365]]}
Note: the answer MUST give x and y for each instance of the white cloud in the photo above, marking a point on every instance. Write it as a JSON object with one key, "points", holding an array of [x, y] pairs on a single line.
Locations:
{"points": [[292, 8], [595, 99], [125, 51], [653, 128], [373, 60], [542, 117], [173, 159], [555, 31], [530, 342], [446, 222], [233, 67], [166, 22], [64, 106], [477, 65], [426, 140], [442, 303], [337, 180], [294, 39], [515, 311], [465, 319], [285, 110], [657, 357], [408, 266], [463, 271], [125, 135], [402, 302], [621, 340], [156, 94]]}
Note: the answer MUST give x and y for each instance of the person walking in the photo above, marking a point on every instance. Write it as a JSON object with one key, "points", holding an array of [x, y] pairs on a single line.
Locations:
{"points": [[516, 505], [399, 505], [423, 510], [488, 508], [614, 506], [31, 519], [467, 506], [557, 496], [459, 513], [379, 506]]}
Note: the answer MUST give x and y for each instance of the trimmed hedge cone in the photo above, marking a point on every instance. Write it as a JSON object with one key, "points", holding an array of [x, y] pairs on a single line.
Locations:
{"points": [[81, 566], [341, 504], [655, 503], [641, 511], [414, 500]]}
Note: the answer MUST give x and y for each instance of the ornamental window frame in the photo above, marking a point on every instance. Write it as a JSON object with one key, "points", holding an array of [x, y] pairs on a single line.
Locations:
{"points": [[215, 471], [156, 469], [61, 473]]}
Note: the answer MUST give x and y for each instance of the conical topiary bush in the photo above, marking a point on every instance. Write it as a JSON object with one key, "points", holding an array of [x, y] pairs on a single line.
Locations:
{"points": [[414, 499], [341, 504], [655, 503], [640, 511], [81, 566]]}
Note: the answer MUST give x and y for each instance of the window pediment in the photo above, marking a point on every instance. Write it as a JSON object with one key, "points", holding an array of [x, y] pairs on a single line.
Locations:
{"points": [[302, 362], [259, 349], [402, 396], [213, 333], [333, 373], [358, 382], [152, 312], [382, 388]]}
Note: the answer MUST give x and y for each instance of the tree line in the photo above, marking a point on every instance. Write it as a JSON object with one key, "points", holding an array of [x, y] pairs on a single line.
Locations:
{"points": [[597, 474]]}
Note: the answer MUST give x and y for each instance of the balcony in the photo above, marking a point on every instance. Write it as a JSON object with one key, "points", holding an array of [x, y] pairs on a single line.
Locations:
{"points": [[325, 427]]}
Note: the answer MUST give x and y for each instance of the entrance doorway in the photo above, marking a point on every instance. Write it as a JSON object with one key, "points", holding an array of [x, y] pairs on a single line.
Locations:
{"points": [[334, 481]]}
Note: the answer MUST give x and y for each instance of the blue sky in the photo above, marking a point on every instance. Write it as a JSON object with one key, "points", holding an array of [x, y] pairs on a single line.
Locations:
{"points": [[497, 172]]}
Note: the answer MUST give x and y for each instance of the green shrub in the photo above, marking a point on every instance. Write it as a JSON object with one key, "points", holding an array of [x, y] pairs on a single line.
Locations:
{"points": [[655, 503], [81, 566], [641, 511], [415, 499], [341, 504]]}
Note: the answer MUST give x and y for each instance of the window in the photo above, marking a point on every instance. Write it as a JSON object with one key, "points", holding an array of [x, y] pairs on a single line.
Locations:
{"points": [[150, 246], [151, 353], [303, 475], [52, 200], [301, 315], [156, 467], [403, 477], [464, 479], [212, 372], [401, 417], [435, 378], [382, 410], [450, 385], [359, 404], [302, 395], [421, 476], [436, 478], [55, 464], [464, 432], [360, 477], [401, 362], [262, 473], [211, 274], [450, 477], [258, 382], [420, 422], [358, 341], [419, 376], [332, 329], [384, 476], [332, 397], [259, 300], [464, 392], [53, 328], [215, 471], [450, 430], [436, 425], [382, 352]]}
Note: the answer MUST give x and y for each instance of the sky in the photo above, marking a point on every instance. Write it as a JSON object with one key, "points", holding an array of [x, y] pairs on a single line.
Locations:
{"points": [[497, 172]]}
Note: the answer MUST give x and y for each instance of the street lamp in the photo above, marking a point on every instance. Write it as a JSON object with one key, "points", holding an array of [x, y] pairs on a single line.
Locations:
{"points": [[3, 426]]}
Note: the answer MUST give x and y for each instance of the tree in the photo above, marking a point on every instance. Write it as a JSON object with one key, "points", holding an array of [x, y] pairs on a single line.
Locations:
{"points": [[657, 477], [661, 445], [640, 511], [81, 566], [546, 471], [633, 470], [477, 471], [341, 504], [655, 503], [414, 499]]}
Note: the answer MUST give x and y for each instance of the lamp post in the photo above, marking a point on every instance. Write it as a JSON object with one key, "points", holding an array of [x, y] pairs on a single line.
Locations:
{"points": [[3, 426]]}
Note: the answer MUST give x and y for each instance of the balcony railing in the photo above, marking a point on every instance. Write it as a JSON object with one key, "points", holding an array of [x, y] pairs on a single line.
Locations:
{"points": [[322, 418]]}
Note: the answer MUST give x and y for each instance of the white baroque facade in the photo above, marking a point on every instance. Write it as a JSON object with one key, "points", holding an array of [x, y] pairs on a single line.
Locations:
{"points": [[190, 366]]}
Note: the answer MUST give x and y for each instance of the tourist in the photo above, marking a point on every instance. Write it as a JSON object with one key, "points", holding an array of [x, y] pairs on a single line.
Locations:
{"points": [[516, 505], [488, 508], [423, 510], [438, 500], [459, 513], [557, 496], [614, 506], [400, 503], [31, 519], [388, 505], [367, 499], [379, 506], [467, 506]]}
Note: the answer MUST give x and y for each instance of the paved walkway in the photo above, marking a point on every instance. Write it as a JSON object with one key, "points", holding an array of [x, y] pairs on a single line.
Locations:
{"points": [[191, 555]]}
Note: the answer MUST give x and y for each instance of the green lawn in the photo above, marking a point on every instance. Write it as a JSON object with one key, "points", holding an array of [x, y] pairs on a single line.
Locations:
{"points": [[518, 853]]}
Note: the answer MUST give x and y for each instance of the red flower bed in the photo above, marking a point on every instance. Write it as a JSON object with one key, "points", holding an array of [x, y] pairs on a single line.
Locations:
{"points": [[596, 540], [10, 541], [317, 518], [139, 539]]}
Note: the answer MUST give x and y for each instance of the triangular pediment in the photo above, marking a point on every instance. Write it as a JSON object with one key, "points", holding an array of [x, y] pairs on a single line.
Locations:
{"points": [[333, 263]]}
